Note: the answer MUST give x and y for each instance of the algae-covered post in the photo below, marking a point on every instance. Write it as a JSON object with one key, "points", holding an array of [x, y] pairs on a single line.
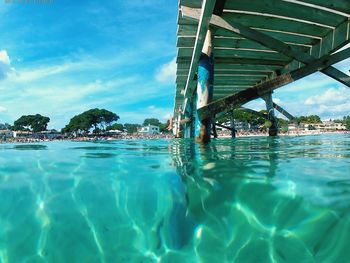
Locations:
{"points": [[270, 114], [205, 88]]}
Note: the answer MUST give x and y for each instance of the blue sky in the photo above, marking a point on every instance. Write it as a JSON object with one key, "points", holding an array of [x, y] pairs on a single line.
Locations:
{"points": [[62, 58]]}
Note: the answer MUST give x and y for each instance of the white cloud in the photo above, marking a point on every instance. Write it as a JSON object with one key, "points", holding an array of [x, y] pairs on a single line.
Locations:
{"points": [[332, 97], [332, 103], [4, 58], [3, 109], [167, 72], [5, 68]]}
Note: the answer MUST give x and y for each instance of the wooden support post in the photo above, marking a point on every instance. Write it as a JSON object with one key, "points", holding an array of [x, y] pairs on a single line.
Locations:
{"points": [[270, 114], [203, 25], [189, 117], [177, 125], [285, 113], [204, 89], [232, 126]]}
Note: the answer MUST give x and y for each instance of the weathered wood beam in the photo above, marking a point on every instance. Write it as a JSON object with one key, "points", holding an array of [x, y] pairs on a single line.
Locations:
{"points": [[269, 42], [334, 40], [183, 70], [239, 61], [284, 112], [203, 26], [287, 10], [259, 90], [243, 53], [219, 7]]}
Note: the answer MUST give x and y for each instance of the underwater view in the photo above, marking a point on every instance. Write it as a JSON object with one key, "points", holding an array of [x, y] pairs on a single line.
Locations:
{"points": [[258, 199]]}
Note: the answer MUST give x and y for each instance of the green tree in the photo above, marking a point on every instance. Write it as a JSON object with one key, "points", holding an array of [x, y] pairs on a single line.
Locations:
{"points": [[151, 121], [346, 122], [244, 116], [34, 123], [309, 119], [163, 127], [96, 119], [282, 124], [131, 128], [115, 126]]}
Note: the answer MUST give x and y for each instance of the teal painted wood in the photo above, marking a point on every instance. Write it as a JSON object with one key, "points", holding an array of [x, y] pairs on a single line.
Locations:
{"points": [[334, 40], [232, 52], [308, 29], [204, 95], [237, 99], [267, 41], [203, 26], [338, 5], [285, 9], [272, 23]]}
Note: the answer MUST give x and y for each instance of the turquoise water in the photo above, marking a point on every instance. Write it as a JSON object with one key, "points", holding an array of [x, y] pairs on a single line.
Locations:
{"points": [[244, 200]]}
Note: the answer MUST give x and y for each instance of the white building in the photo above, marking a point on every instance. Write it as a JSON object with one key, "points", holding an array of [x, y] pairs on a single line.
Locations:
{"points": [[22, 134], [330, 126], [298, 127], [150, 129], [322, 126]]}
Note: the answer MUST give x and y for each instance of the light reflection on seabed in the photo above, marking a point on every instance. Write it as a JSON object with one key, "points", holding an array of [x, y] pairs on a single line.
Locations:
{"points": [[242, 216]]}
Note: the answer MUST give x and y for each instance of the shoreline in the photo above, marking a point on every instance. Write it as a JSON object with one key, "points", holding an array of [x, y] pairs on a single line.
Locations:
{"points": [[299, 133], [157, 137]]}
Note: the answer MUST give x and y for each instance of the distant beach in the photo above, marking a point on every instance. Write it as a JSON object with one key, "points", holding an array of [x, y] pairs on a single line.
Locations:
{"points": [[165, 136], [92, 138]]}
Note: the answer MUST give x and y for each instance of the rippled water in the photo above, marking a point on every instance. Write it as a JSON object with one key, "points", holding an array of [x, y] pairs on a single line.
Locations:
{"points": [[244, 200]]}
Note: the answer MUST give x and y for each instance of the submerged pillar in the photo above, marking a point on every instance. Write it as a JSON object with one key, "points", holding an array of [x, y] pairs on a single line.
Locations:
{"points": [[204, 89], [270, 114]]}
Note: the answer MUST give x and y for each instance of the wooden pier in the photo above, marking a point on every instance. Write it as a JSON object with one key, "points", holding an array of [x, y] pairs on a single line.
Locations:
{"points": [[254, 47]]}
